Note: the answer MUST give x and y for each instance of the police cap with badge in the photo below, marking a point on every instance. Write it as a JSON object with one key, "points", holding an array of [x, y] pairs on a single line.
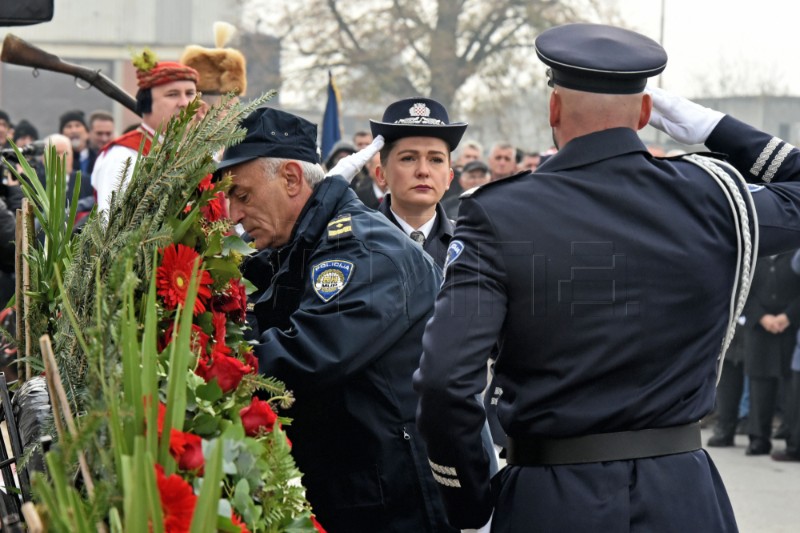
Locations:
{"points": [[273, 133], [418, 117], [599, 59]]}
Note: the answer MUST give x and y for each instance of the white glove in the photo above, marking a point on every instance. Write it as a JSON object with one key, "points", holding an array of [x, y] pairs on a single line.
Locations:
{"points": [[682, 119], [485, 529], [349, 166]]}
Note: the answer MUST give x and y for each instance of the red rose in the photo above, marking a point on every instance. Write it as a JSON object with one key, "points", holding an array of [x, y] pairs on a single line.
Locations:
{"points": [[177, 501], [258, 416], [191, 457], [227, 370]]}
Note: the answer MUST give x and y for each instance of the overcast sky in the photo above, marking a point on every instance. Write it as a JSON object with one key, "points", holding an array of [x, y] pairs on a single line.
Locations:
{"points": [[742, 39]]}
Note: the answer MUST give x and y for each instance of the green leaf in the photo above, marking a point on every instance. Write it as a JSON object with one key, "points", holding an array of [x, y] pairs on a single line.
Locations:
{"points": [[205, 425], [234, 243], [209, 392], [205, 512]]}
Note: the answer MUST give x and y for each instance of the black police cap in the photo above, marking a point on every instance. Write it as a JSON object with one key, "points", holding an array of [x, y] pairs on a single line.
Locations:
{"points": [[418, 117], [273, 133], [600, 59]]}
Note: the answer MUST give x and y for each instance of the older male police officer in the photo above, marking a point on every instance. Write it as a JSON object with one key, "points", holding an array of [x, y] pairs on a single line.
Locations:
{"points": [[607, 278], [344, 298]]}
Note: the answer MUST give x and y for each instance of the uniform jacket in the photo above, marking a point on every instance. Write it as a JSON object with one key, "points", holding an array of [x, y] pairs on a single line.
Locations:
{"points": [[775, 290], [606, 278], [341, 310], [439, 238]]}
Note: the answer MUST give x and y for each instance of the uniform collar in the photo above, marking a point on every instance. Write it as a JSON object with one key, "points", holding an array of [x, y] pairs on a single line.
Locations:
{"points": [[329, 196], [594, 147], [442, 224]]}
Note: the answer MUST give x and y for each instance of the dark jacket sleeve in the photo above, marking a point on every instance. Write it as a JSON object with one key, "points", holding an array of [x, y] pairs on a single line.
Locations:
{"points": [[327, 342], [468, 317], [773, 166]]}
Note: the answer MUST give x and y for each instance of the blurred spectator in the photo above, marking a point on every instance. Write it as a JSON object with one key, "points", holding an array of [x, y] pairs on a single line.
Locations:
{"points": [[530, 161], [502, 160], [339, 150], [362, 139], [469, 151], [25, 133], [5, 129], [101, 131], [474, 174], [369, 191], [73, 125]]}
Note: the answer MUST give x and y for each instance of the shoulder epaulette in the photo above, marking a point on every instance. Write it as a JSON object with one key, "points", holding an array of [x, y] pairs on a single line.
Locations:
{"points": [[340, 227]]}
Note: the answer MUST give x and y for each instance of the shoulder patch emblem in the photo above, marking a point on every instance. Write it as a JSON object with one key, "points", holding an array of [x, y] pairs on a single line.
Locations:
{"points": [[453, 251], [330, 277], [340, 227]]}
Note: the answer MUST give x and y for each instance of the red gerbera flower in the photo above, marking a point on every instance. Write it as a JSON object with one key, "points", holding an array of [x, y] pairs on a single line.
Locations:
{"points": [[219, 320], [174, 273], [238, 522], [177, 501]]}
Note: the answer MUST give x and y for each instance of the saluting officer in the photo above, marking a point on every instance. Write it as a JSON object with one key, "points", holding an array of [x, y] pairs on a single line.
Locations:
{"points": [[340, 319], [607, 279]]}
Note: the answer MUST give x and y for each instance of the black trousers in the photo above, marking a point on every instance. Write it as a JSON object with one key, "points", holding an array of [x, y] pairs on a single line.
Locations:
{"points": [[763, 401], [729, 395], [793, 415]]}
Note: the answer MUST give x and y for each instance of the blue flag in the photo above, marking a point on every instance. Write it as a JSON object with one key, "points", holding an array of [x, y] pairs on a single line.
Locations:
{"points": [[331, 128]]}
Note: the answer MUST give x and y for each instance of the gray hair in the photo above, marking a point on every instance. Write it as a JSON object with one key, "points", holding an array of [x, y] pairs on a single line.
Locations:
{"points": [[312, 172]]}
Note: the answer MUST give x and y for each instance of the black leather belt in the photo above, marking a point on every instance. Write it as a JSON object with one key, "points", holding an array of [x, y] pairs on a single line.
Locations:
{"points": [[619, 446]]}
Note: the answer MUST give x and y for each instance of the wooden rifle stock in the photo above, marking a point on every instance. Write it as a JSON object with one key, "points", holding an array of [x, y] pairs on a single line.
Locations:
{"points": [[19, 52]]}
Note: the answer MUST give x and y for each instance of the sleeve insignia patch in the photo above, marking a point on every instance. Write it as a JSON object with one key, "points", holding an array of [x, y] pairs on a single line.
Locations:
{"points": [[330, 277], [340, 227], [453, 251]]}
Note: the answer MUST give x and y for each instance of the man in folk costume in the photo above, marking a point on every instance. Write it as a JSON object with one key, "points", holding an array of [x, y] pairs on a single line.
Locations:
{"points": [[165, 88]]}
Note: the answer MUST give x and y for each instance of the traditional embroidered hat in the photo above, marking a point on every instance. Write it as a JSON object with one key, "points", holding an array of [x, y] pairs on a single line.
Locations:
{"points": [[418, 117], [150, 72], [221, 70], [273, 133], [599, 59]]}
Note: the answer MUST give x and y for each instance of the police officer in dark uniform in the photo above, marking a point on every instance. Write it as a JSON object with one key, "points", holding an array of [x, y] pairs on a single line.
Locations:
{"points": [[607, 279], [415, 165], [340, 316]]}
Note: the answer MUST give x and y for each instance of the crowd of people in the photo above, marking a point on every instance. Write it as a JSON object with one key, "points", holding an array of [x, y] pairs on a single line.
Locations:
{"points": [[596, 278]]}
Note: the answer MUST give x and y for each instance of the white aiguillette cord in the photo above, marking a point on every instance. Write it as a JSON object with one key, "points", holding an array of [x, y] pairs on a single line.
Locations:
{"points": [[746, 242]]}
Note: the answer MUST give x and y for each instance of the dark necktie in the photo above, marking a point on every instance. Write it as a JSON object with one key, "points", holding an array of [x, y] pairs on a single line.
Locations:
{"points": [[418, 236]]}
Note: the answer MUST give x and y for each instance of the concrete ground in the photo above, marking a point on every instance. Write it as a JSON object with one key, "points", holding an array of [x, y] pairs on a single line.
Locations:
{"points": [[765, 494]]}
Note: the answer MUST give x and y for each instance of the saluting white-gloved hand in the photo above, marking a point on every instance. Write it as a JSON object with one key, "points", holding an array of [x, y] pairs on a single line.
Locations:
{"points": [[349, 166], [682, 119]]}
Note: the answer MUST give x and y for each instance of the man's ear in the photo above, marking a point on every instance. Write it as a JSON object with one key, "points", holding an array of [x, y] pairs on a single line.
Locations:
{"points": [[292, 174], [647, 108], [555, 109]]}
